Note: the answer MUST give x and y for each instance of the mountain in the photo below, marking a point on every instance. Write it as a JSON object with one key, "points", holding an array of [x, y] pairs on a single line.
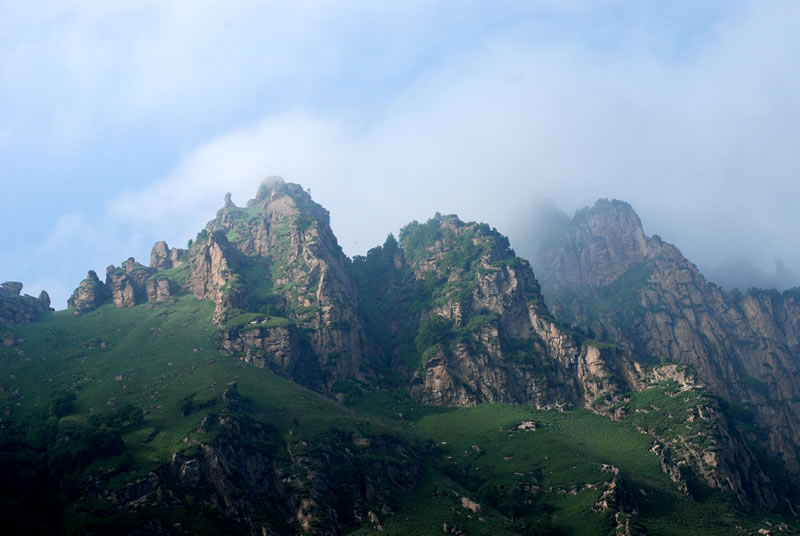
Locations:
{"points": [[261, 382], [600, 272]]}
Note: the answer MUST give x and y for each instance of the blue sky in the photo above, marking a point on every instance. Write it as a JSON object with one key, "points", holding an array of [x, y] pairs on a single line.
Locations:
{"points": [[125, 122]]}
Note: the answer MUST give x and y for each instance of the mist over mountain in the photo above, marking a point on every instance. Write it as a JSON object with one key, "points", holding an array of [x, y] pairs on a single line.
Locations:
{"points": [[720, 263], [742, 273]]}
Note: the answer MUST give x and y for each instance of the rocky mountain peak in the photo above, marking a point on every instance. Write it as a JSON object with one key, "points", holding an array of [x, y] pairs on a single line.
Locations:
{"points": [[640, 293], [603, 242], [277, 260], [268, 188]]}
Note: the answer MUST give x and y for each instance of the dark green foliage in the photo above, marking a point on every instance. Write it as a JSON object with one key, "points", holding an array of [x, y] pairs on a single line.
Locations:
{"points": [[61, 404], [434, 330], [390, 292], [417, 237], [188, 404]]}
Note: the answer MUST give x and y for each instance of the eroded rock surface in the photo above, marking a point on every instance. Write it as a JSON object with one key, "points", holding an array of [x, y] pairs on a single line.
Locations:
{"points": [[164, 258], [90, 294], [16, 308], [606, 276], [279, 257]]}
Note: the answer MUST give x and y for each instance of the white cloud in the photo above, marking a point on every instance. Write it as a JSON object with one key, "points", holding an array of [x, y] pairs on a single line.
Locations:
{"points": [[684, 142], [700, 139]]}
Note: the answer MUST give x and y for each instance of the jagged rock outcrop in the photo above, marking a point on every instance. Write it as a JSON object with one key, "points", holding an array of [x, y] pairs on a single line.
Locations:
{"points": [[164, 258], [21, 309], [454, 316], [128, 285], [289, 487], [11, 288], [90, 294], [277, 348], [607, 277], [280, 248], [483, 334], [213, 278], [481, 330]]}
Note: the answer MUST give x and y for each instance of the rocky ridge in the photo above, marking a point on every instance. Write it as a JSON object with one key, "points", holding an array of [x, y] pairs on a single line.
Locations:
{"points": [[492, 339], [277, 277], [483, 334], [603, 274], [449, 313]]}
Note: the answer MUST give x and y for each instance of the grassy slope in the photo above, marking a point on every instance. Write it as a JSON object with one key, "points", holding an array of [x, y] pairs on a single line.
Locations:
{"points": [[158, 359], [482, 455]]}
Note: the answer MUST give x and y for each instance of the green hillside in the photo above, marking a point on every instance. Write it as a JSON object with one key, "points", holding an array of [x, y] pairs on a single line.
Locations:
{"points": [[96, 402]]}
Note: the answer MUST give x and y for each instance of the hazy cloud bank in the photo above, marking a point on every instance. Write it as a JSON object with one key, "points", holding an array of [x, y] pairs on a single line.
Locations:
{"points": [[688, 113]]}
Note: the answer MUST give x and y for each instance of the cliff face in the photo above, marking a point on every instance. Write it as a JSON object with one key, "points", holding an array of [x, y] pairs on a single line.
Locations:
{"points": [[485, 335], [604, 275], [280, 279], [452, 295]]}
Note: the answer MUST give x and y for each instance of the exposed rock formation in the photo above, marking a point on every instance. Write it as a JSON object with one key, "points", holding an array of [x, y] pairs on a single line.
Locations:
{"points": [[483, 334], [289, 488], [128, 285], [639, 292], [212, 276], [159, 289], [11, 288], [282, 251], [277, 348], [164, 258], [89, 295], [479, 323], [21, 309], [453, 315]]}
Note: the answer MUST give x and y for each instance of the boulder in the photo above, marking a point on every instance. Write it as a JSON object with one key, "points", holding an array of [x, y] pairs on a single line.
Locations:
{"points": [[89, 295], [122, 291], [159, 256], [12, 287], [164, 258], [128, 284]]}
